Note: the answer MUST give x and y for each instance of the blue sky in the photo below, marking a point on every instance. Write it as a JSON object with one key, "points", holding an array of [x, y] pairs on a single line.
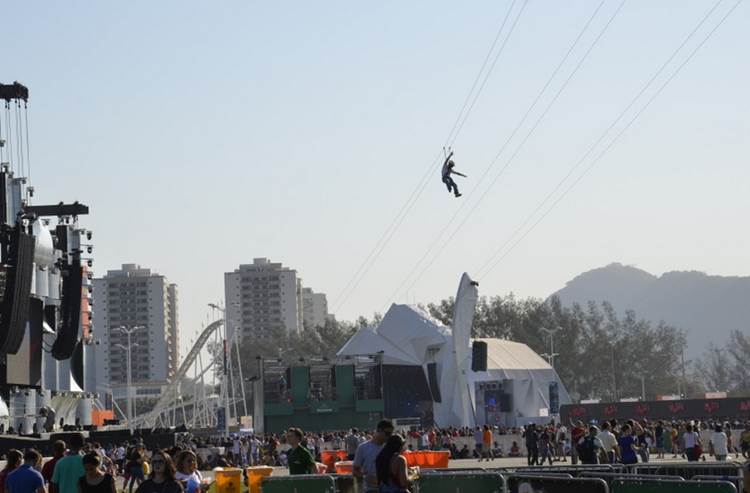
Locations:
{"points": [[203, 135]]}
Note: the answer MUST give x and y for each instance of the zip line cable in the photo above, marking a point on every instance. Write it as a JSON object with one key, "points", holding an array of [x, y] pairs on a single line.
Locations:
{"points": [[614, 140], [602, 136], [384, 239], [506, 143]]}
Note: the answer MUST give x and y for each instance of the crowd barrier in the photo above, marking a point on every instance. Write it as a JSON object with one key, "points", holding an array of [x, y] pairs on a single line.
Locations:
{"points": [[552, 484], [601, 478], [460, 482], [689, 469], [318, 483], [671, 486]]}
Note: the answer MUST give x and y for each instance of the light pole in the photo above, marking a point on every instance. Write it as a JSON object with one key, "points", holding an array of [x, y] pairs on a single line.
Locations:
{"points": [[551, 355], [129, 332]]}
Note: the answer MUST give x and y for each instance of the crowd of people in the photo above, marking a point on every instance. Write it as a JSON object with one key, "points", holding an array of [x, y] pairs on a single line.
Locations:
{"points": [[635, 441], [377, 456], [87, 467]]}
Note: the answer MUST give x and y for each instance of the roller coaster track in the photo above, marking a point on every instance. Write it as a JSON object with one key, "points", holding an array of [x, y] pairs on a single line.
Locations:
{"points": [[170, 395]]}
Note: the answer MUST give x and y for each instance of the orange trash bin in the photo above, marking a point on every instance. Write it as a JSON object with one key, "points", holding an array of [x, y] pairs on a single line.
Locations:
{"points": [[255, 476]]}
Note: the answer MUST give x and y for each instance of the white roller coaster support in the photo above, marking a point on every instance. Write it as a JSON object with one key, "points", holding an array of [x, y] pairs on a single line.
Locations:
{"points": [[170, 395]]}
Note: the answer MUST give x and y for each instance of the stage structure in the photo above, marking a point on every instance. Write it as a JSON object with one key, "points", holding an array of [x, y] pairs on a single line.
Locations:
{"points": [[442, 377], [319, 395], [45, 305]]}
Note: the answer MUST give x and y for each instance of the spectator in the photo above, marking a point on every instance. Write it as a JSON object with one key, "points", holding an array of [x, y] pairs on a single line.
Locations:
{"points": [[300, 459], [13, 461], [134, 468], [545, 446], [95, 481], [120, 458], [70, 468], [745, 441], [392, 468], [49, 468], [187, 471], [560, 439], [26, 478], [162, 478], [718, 444], [609, 443], [691, 444], [497, 450], [367, 453], [628, 448], [589, 447], [532, 445], [351, 443], [659, 436], [578, 432], [515, 450], [487, 444]]}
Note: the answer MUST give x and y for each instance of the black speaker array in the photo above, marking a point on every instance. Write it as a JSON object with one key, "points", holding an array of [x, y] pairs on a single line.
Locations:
{"points": [[432, 379], [14, 310], [70, 310], [479, 356], [76, 364]]}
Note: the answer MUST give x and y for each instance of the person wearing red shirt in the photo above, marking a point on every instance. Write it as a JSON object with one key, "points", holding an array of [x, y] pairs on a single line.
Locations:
{"points": [[578, 432], [49, 467]]}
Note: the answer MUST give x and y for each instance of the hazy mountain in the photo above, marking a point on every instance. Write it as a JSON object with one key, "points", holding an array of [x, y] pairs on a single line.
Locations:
{"points": [[706, 307]]}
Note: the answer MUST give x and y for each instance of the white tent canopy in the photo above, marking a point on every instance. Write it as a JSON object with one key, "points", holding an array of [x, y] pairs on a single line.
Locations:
{"points": [[408, 335]]}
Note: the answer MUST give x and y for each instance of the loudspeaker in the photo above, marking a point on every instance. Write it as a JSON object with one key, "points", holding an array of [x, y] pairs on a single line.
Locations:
{"points": [[432, 379], [479, 356], [506, 403], [70, 311], [554, 398], [15, 304]]}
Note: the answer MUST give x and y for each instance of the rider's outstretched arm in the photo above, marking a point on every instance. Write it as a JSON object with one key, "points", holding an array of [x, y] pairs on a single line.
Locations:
{"points": [[448, 158]]}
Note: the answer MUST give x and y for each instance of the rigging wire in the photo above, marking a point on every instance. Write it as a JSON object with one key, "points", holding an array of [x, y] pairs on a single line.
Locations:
{"points": [[504, 146], [9, 135], [614, 140], [28, 152], [385, 238], [19, 137]]}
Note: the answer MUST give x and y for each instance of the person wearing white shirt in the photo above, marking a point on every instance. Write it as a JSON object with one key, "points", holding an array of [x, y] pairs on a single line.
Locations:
{"points": [[718, 444], [609, 443]]}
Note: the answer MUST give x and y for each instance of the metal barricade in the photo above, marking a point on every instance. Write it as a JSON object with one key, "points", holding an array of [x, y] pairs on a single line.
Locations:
{"points": [[572, 470], [460, 482], [524, 483], [611, 476], [671, 486], [689, 469], [735, 480], [346, 483], [313, 483]]}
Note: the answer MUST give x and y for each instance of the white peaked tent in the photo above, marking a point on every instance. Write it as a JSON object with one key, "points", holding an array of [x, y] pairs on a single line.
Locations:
{"points": [[408, 335]]}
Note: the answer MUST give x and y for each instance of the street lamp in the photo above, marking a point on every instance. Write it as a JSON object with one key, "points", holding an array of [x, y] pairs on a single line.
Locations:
{"points": [[551, 355], [128, 333]]}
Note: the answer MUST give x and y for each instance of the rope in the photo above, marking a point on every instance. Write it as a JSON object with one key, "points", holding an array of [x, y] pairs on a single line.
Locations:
{"points": [[505, 144], [385, 238], [619, 134]]}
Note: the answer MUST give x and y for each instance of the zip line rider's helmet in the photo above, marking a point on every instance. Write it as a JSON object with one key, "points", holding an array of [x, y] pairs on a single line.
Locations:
{"points": [[451, 164]]}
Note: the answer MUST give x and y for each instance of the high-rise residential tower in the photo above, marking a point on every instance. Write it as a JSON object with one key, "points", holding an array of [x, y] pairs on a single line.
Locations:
{"points": [[265, 296], [144, 302]]}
